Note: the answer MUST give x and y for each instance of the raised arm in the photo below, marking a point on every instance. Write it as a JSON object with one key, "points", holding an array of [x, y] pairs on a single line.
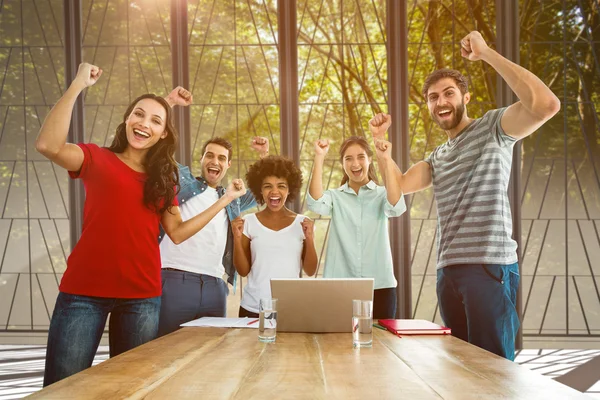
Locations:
{"points": [[242, 256], [536, 105], [315, 189], [383, 149], [378, 125], [52, 139], [179, 230], [417, 178], [309, 253]]}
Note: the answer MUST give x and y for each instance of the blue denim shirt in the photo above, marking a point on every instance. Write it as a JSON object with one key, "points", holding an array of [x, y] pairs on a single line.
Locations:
{"points": [[190, 187]]}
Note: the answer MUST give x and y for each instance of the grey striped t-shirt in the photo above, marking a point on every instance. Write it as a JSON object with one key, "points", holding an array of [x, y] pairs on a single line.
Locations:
{"points": [[470, 181]]}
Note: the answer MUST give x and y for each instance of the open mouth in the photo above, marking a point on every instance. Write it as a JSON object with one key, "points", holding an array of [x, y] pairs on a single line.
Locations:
{"points": [[357, 173], [213, 172], [140, 134], [275, 201], [444, 113]]}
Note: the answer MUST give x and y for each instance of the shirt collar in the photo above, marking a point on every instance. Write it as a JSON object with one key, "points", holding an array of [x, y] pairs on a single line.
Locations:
{"points": [[220, 189], [346, 188]]}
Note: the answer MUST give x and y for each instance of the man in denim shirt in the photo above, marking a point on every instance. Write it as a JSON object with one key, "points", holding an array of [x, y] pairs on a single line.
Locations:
{"points": [[192, 271]]}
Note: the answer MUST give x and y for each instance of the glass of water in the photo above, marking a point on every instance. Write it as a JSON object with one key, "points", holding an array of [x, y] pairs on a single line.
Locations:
{"points": [[362, 323], [267, 320]]}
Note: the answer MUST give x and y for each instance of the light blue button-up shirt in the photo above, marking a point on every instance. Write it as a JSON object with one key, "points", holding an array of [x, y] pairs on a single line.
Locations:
{"points": [[359, 242]]}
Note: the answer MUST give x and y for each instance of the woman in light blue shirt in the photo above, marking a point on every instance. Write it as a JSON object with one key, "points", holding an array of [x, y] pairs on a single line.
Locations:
{"points": [[359, 245]]}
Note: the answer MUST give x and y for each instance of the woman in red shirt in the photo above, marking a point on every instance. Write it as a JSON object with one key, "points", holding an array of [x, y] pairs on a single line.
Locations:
{"points": [[115, 267]]}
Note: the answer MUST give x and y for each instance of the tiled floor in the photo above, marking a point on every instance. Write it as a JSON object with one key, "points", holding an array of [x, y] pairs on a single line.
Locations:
{"points": [[22, 367]]}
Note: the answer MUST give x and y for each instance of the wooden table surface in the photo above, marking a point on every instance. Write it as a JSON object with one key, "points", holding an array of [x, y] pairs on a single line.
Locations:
{"points": [[217, 363]]}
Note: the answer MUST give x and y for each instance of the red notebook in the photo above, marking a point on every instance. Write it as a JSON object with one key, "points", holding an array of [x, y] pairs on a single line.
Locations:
{"points": [[413, 327]]}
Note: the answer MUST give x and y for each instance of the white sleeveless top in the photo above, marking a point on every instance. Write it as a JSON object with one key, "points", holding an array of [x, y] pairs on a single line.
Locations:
{"points": [[275, 254]]}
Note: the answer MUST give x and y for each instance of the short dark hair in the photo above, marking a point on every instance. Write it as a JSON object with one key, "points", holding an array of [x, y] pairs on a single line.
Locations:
{"points": [[278, 166], [221, 142], [459, 79]]}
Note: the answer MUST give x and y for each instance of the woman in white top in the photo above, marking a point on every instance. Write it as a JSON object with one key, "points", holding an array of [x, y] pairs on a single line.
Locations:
{"points": [[274, 242]]}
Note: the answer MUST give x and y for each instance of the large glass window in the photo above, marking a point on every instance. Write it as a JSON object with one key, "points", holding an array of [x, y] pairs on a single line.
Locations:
{"points": [[435, 29], [34, 226], [342, 74], [342, 81], [560, 43]]}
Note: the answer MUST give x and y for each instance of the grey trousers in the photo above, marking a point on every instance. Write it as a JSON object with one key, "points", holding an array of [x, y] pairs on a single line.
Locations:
{"points": [[187, 296]]}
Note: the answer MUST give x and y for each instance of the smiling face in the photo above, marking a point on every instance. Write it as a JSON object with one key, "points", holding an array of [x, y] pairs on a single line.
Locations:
{"points": [[215, 163], [356, 164], [145, 126], [446, 103], [275, 192]]}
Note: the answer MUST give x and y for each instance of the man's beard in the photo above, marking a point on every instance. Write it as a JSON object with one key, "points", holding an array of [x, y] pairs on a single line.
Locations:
{"points": [[447, 125]]}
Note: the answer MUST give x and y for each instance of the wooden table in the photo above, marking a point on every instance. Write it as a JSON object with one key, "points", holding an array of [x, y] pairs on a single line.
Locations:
{"points": [[217, 363]]}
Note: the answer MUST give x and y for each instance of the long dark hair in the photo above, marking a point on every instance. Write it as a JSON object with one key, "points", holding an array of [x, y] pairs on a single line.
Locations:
{"points": [[362, 142], [163, 178]]}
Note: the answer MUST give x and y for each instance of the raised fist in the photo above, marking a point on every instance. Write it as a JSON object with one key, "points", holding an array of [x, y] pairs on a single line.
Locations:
{"points": [[261, 145], [383, 148], [88, 74], [237, 226], [235, 189], [179, 97], [473, 46], [379, 125], [322, 146], [308, 227]]}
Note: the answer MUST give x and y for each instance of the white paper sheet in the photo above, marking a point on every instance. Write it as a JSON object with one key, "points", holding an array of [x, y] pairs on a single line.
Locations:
{"points": [[224, 322]]}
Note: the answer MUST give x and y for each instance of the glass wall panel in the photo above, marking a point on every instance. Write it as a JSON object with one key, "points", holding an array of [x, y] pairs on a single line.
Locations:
{"points": [[234, 77], [560, 43], [342, 74], [34, 220], [435, 29]]}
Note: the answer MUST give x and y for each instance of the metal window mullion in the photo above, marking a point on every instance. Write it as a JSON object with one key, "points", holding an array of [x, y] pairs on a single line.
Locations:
{"points": [[397, 58], [181, 77], [288, 83], [507, 44], [73, 57]]}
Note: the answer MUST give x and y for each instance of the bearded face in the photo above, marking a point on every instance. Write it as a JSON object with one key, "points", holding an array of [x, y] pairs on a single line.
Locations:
{"points": [[448, 116]]}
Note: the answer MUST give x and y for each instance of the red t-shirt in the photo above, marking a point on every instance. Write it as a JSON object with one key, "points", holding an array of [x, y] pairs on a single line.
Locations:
{"points": [[117, 254]]}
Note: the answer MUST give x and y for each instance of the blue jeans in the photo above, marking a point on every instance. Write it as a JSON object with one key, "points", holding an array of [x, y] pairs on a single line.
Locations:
{"points": [[77, 325], [187, 296], [478, 302]]}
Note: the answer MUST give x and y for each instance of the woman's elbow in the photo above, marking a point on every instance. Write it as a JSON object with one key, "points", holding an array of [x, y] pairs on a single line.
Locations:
{"points": [[175, 238], [44, 149]]}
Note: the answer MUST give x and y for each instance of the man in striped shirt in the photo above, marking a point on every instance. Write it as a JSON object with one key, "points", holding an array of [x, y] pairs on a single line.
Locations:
{"points": [[478, 274]]}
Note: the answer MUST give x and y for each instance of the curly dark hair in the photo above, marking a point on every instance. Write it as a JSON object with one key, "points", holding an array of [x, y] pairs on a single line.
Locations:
{"points": [[461, 81], [278, 166], [162, 184]]}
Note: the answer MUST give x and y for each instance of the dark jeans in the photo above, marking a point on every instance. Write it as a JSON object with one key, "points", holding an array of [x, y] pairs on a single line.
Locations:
{"points": [[245, 313], [77, 325], [187, 296], [384, 303], [478, 302]]}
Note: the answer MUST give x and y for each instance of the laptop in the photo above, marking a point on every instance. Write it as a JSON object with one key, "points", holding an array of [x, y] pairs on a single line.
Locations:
{"points": [[318, 305]]}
